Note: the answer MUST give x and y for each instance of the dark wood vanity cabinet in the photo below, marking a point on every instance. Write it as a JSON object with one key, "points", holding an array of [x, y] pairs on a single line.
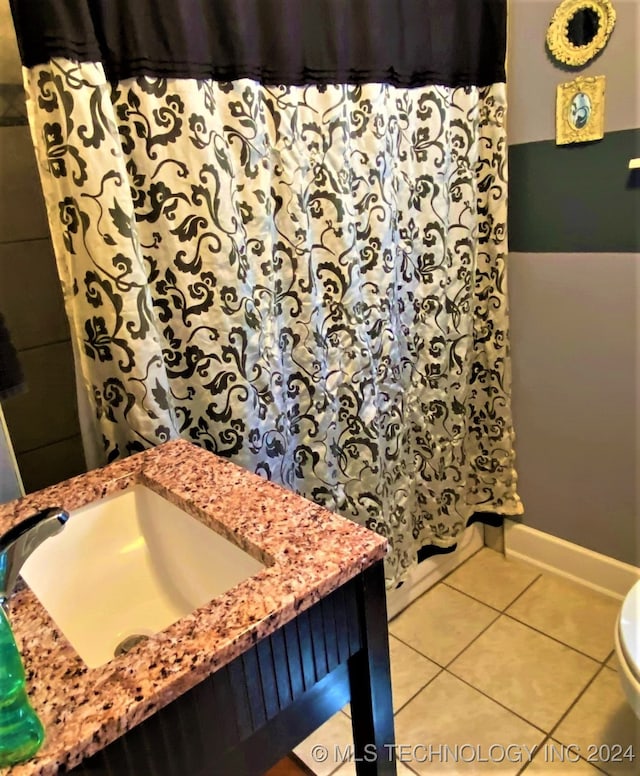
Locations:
{"points": [[249, 714]]}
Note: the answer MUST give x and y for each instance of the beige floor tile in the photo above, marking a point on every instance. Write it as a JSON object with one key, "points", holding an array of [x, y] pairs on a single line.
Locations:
{"points": [[558, 760], [410, 671], [571, 613], [602, 719], [448, 713], [336, 736], [492, 578], [612, 662], [441, 623], [333, 737], [349, 769], [528, 672]]}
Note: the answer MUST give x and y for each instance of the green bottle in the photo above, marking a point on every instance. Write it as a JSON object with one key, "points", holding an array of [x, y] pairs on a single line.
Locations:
{"points": [[21, 732]]}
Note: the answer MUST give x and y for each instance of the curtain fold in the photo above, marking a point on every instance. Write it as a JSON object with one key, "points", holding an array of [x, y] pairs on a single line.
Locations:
{"points": [[307, 278]]}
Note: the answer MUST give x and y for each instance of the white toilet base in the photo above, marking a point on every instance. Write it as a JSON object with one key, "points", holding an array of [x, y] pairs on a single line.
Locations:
{"points": [[629, 681]]}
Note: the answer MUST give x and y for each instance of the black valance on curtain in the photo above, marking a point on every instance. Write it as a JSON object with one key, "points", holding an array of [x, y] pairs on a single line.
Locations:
{"points": [[406, 43]]}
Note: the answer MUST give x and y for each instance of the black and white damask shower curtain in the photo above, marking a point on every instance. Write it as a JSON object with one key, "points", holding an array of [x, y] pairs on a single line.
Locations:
{"points": [[280, 232]]}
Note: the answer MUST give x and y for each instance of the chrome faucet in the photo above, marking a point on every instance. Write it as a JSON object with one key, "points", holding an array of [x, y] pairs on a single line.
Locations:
{"points": [[20, 541]]}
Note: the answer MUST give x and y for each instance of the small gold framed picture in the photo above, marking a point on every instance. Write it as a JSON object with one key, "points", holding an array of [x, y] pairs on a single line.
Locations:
{"points": [[580, 110]]}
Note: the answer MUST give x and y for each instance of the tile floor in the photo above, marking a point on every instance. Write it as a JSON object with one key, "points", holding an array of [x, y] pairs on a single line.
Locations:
{"points": [[502, 661]]}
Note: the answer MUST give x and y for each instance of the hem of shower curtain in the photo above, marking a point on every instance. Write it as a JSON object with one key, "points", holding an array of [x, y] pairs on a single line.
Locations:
{"points": [[492, 519], [409, 43]]}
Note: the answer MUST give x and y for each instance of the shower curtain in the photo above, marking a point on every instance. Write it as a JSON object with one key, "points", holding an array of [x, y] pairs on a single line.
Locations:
{"points": [[280, 228]]}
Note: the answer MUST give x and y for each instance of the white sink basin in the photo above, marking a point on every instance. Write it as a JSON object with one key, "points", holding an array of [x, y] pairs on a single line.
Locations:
{"points": [[127, 566]]}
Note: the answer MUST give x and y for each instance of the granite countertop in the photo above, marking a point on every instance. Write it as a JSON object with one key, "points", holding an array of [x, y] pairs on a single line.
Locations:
{"points": [[308, 552]]}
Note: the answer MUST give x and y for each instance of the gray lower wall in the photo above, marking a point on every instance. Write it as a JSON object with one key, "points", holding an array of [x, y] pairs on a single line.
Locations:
{"points": [[575, 349]]}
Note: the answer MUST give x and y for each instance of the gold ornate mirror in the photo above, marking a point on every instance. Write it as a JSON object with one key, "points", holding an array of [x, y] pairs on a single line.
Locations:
{"points": [[579, 30]]}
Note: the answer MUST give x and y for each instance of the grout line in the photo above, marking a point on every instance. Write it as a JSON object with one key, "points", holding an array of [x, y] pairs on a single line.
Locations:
{"points": [[410, 769], [571, 708], [417, 692], [44, 345], [473, 598], [473, 641], [336, 769], [415, 649], [553, 638], [301, 764], [539, 746], [456, 568], [426, 684], [499, 703], [49, 444], [576, 700], [522, 592], [47, 238], [491, 606]]}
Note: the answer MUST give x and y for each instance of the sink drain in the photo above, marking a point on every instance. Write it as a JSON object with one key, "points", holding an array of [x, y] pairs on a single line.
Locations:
{"points": [[128, 643]]}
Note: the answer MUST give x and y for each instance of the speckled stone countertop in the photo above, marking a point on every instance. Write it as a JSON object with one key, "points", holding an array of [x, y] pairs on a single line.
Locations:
{"points": [[308, 551]]}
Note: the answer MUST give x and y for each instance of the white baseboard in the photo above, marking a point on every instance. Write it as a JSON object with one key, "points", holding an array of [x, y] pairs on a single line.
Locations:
{"points": [[425, 575], [599, 572]]}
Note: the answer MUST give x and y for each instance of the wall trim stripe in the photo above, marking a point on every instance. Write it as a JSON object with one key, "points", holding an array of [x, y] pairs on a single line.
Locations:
{"points": [[574, 199]]}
